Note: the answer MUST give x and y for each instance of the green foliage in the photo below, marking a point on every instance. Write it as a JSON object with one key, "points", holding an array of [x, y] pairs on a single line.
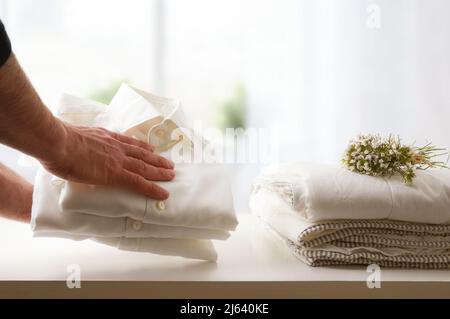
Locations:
{"points": [[232, 111], [105, 94]]}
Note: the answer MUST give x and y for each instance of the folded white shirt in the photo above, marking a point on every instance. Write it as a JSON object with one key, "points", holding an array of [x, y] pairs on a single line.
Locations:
{"points": [[318, 192], [200, 197], [194, 200], [200, 205], [49, 221]]}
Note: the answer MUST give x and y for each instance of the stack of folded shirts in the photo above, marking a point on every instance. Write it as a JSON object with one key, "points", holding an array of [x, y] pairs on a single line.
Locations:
{"points": [[330, 216], [200, 206]]}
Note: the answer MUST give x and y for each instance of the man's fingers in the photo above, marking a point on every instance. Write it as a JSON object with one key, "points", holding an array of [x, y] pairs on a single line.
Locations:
{"points": [[132, 141], [140, 185], [148, 157], [148, 171]]}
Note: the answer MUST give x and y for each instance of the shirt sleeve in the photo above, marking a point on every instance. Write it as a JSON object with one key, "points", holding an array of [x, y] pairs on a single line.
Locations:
{"points": [[5, 45]]}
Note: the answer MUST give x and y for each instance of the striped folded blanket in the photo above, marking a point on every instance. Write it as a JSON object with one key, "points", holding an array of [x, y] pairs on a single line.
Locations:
{"points": [[277, 198]]}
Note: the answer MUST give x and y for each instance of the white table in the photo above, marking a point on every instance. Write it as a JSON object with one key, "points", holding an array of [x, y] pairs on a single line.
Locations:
{"points": [[252, 263]]}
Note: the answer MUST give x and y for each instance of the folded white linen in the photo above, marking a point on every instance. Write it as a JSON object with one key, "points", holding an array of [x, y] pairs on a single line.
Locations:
{"points": [[200, 206], [353, 241], [318, 192], [49, 221]]}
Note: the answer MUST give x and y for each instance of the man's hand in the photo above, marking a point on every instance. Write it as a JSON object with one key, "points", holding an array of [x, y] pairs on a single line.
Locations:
{"points": [[97, 156], [81, 154]]}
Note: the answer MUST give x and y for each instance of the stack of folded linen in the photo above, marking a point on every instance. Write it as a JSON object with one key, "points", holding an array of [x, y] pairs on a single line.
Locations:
{"points": [[330, 216], [200, 206]]}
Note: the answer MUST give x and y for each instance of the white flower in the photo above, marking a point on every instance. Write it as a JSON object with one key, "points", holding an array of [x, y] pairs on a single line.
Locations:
{"points": [[377, 156]]}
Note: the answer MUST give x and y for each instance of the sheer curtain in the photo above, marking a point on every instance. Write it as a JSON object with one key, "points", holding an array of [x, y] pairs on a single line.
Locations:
{"points": [[350, 67]]}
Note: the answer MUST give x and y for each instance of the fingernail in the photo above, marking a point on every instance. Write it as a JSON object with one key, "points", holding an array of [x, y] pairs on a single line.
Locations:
{"points": [[171, 164]]}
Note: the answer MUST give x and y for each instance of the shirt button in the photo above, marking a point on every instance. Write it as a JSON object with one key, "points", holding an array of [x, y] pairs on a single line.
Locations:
{"points": [[160, 205], [160, 132], [137, 225]]}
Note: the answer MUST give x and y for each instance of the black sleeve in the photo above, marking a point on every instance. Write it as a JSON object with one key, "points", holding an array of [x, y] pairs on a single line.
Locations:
{"points": [[5, 45]]}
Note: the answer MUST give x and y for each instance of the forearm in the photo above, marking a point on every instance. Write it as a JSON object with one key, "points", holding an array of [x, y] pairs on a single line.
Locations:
{"points": [[15, 195], [25, 123]]}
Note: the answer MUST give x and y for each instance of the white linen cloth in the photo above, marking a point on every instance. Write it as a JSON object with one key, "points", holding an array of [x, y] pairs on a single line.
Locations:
{"points": [[337, 224], [199, 208], [323, 192]]}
